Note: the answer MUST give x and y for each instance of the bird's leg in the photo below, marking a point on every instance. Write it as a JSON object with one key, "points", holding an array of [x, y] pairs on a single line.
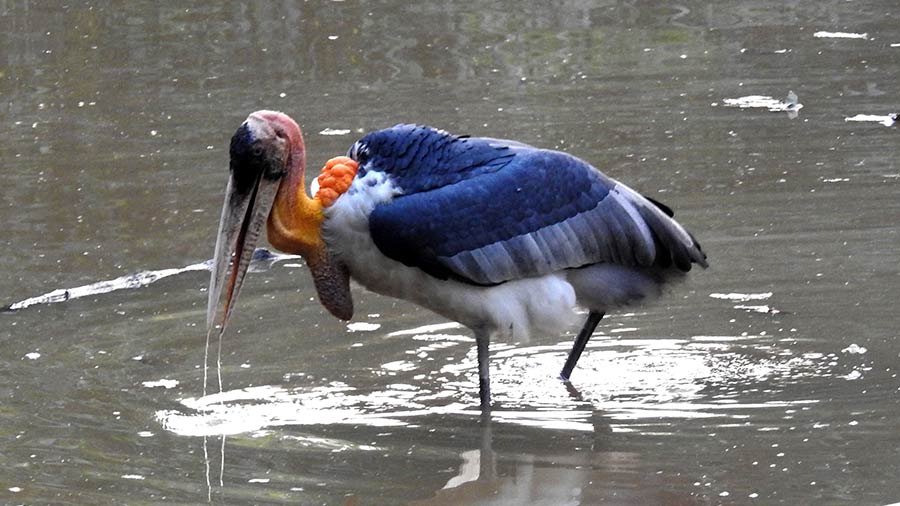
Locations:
{"points": [[482, 340], [580, 342], [487, 462]]}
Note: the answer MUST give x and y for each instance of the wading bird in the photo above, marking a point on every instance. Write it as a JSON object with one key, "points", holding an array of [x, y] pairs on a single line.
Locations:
{"points": [[505, 238]]}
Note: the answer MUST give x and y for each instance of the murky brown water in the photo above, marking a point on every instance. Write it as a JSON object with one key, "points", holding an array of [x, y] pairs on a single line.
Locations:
{"points": [[770, 378]]}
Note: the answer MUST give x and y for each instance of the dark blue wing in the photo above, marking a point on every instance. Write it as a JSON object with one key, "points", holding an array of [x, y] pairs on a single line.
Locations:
{"points": [[486, 211], [419, 158]]}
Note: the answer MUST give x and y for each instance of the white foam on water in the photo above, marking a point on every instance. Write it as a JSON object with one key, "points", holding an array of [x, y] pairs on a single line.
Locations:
{"points": [[362, 327], [840, 35], [335, 131], [741, 297], [764, 102], [164, 383], [886, 120]]}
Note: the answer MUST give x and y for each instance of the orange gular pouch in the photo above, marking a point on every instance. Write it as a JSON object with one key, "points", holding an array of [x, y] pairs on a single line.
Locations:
{"points": [[335, 179]]}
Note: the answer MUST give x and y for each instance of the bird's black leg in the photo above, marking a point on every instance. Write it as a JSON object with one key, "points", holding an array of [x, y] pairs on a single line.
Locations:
{"points": [[580, 342], [487, 461], [482, 339]]}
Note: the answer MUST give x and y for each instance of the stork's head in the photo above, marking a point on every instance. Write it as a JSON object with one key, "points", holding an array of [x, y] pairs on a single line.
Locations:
{"points": [[266, 185]]}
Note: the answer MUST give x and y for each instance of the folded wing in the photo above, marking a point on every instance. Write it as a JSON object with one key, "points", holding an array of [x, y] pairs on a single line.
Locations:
{"points": [[538, 212]]}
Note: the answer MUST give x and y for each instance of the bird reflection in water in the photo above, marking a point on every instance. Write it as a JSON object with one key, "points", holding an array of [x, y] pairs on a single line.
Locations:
{"points": [[529, 465]]}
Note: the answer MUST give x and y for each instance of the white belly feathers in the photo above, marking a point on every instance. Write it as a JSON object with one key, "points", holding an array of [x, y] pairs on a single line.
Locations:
{"points": [[515, 309]]}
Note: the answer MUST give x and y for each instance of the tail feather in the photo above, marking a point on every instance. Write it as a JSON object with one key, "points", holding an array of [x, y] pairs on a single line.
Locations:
{"points": [[676, 245]]}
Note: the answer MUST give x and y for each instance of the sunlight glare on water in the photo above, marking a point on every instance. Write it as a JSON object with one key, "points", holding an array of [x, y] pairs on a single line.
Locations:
{"points": [[630, 380], [769, 378]]}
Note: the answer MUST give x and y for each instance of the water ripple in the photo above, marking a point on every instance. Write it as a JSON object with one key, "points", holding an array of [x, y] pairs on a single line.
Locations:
{"points": [[631, 381]]}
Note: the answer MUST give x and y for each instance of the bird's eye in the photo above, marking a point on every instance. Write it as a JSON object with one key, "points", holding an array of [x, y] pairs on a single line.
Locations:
{"points": [[257, 150]]}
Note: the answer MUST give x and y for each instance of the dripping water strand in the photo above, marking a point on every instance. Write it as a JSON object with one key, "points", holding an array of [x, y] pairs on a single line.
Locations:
{"points": [[206, 462], [205, 442], [219, 373], [219, 360], [205, 391]]}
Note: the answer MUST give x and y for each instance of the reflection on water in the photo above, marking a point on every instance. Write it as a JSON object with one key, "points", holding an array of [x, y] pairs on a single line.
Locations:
{"points": [[558, 477], [790, 104], [261, 260], [632, 381], [886, 120], [626, 387], [771, 379]]}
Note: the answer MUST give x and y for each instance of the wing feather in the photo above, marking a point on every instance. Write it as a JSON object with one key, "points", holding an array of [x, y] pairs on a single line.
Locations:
{"points": [[486, 212]]}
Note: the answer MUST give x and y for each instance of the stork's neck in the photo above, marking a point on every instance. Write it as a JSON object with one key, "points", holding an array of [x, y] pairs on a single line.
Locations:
{"points": [[295, 222], [295, 226]]}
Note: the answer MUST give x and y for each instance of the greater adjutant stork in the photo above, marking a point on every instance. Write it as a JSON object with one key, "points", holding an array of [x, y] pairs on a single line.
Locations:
{"points": [[505, 238]]}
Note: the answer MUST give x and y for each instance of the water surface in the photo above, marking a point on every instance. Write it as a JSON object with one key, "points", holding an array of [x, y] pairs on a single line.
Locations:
{"points": [[770, 378]]}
